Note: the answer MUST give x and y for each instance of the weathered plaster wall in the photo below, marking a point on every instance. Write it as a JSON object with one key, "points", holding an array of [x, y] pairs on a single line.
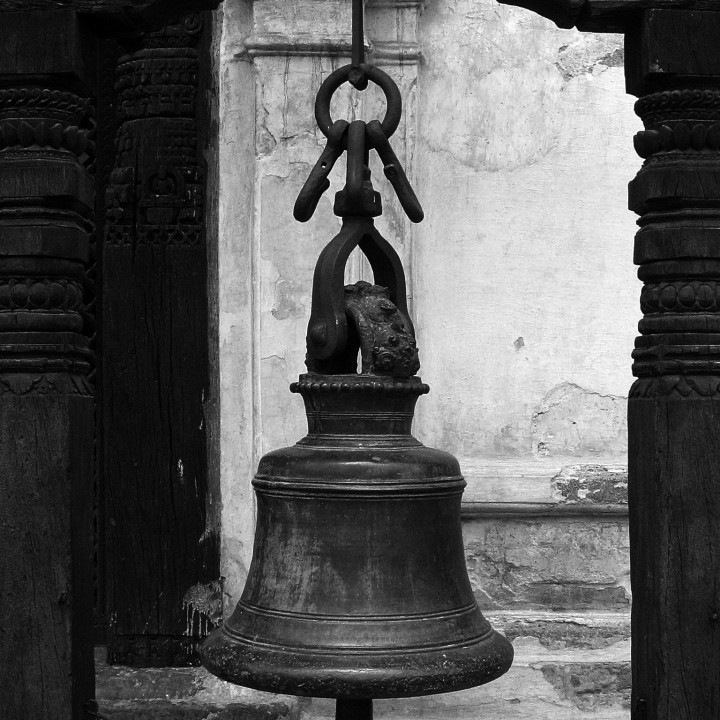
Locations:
{"points": [[525, 260], [273, 58], [518, 139]]}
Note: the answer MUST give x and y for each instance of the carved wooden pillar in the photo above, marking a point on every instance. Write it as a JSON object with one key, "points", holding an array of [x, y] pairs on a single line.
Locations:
{"points": [[162, 543], [674, 407], [672, 63], [46, 405]]}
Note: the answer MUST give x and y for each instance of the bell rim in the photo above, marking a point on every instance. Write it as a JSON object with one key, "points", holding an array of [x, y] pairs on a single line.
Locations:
{"points": [[432, 670]]}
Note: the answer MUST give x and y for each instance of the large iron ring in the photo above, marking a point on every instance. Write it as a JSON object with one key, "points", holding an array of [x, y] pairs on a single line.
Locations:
{"points": [[341, 75]]}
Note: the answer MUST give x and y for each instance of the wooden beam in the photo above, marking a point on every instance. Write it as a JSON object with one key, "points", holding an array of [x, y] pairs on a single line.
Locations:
{"points": [[116, 17], [604, 15]]}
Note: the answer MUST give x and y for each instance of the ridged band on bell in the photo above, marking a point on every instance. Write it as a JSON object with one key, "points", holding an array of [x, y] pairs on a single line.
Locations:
{"points": [[358, 585]]}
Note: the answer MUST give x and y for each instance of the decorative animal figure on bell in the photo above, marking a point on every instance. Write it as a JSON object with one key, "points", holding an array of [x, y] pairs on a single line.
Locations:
{"points": [[388, 345]]}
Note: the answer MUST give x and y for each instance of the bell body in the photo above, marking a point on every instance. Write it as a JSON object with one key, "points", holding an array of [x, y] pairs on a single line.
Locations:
{"points": [[358, 586]]}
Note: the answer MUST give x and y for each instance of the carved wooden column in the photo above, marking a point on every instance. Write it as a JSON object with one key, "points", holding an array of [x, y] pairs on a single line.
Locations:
{"points": [[46, 405], [673, 65], [162, 539], [674, 407]]}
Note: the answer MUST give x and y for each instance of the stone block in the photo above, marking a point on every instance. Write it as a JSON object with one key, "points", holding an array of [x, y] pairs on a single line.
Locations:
{"points": [[549, 563]]}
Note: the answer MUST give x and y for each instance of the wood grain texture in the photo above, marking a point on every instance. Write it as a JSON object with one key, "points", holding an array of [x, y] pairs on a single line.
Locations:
{"points": [[45, 522], [674, 533], [674, 405], [162, 555], [677, 47]]}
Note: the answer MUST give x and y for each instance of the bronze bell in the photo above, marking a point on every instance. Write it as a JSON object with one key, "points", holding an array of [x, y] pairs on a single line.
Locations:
{"points": [[358, 586]]}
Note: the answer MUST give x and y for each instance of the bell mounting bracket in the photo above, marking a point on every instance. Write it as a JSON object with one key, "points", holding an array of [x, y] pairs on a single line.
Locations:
{"points": [[333, 341]]}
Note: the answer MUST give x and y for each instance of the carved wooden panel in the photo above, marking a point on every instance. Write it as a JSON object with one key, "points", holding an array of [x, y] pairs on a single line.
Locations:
{"points": [[162, 555]]}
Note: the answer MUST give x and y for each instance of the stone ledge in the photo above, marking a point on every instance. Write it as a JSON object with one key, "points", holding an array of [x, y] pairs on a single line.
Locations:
{"points": [[545, 487], [588, 482]]}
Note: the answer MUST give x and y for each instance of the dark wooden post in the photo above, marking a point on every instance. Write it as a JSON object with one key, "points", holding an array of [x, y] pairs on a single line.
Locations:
{"points": [[673, 65], [162, 545], [46, 405]]}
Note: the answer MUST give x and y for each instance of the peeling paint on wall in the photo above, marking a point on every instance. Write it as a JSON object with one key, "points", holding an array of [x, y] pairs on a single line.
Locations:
{"points": [[591, 485], [574, 421]]}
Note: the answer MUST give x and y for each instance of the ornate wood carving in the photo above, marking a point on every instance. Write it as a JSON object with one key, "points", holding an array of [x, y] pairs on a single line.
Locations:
{"points": [[46, 405], [162, 553], [674, 409]]}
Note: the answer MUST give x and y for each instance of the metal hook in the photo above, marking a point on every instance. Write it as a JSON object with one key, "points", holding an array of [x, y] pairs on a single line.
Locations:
{"points": [[394, 172], [317, 182]]}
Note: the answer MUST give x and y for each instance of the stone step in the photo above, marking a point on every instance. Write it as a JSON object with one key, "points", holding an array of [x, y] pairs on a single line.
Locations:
{"points": [[549, 563], [125, 693], [193, 710], [567, 666], [542, 684]]}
